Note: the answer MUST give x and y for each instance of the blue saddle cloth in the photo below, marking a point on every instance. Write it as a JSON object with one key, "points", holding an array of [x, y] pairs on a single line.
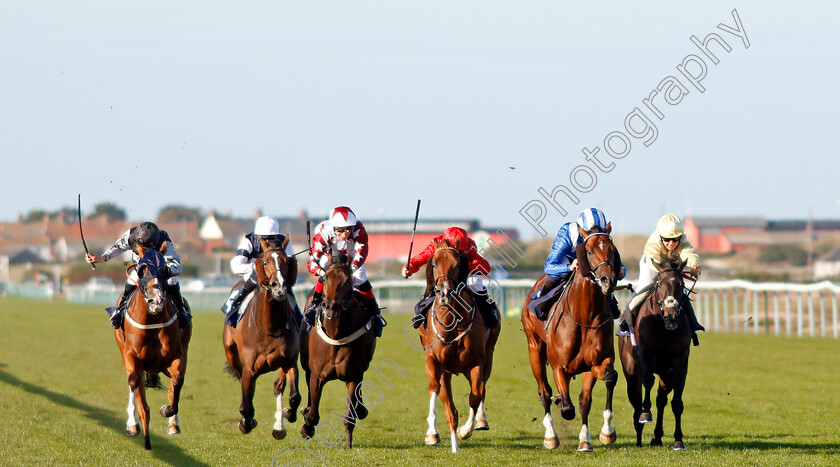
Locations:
{"points": [[536, 302]]}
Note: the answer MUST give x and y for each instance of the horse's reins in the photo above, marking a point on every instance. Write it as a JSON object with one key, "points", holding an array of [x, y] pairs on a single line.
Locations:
{"points": [[345, 305], [435, 317], [275, 257], [143, 294]]}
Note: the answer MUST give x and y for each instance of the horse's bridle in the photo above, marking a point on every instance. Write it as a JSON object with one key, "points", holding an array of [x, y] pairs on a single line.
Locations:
{"points": [[670, 301], [592, 269], [435, 288], [275, 256], [347, 302]]}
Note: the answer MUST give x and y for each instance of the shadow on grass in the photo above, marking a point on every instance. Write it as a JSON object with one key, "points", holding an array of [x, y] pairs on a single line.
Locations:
{"points": [[174, 456]]}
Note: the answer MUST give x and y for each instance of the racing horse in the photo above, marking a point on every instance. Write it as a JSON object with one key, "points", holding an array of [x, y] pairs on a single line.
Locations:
{"points": [[266, 338], [151, 341], [341, 347], [455, 341], [577, 338], [662, 334]]}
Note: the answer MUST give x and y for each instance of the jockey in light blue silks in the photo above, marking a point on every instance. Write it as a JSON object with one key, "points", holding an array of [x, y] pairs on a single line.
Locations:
{"points": [[562, 262]]}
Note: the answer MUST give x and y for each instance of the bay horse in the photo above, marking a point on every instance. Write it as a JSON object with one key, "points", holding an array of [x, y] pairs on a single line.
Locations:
{"points": [[663, 334], [455, 341], [266, 338], [577, 338], [341, 347], [151, 341]]}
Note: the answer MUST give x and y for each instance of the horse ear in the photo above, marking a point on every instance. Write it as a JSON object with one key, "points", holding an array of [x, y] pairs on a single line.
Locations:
{"points": [[617, 261], [582, 232], [608, 228], [263, 243], [582, 262], [140, 251], [285, 242], [162, 248]]}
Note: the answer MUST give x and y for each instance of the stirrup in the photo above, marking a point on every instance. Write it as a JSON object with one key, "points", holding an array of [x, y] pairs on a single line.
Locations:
{"points": [[418, 320]]}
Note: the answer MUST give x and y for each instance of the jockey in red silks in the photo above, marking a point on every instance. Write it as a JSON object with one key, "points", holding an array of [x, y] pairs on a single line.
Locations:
{"points": [[477, 267], [344, 234]]}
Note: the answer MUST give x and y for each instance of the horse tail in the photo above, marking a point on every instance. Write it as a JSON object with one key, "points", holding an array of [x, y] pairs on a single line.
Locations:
{"points": [[229, 370], [152, 381]]}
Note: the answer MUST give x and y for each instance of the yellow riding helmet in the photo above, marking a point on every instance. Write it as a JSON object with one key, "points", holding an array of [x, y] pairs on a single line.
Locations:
{"points": [[669, 226]]}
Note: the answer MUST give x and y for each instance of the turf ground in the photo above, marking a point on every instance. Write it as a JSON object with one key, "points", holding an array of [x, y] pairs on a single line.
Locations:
{"points": [[749, 400]]}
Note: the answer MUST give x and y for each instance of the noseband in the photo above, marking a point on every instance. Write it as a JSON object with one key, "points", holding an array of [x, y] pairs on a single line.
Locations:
{"points": [[669, 301], [592, 269], [439, 276]]}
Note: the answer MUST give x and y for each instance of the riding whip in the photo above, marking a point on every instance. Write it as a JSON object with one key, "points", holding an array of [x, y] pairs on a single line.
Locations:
{"points": [[413, 230], [82, 233]]}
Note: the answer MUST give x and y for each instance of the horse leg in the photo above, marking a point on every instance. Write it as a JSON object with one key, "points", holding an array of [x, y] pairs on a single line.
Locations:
{"points": [[433, 372], [279, 430], [634, 394], [677, 407], [294, 394], [474, 376], [355, 411], [138, 388], [567, 410], [246, 408], [661, 402], [449, 406], [131, 426], [176, 375], [647, 381], [607, 373], [585, 402], [537, 357], [311, 417]]}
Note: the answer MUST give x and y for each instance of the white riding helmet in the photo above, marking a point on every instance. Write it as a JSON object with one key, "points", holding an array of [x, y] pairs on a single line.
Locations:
{"points": [[342, 217], [669, 226], [590, 218], [267, 226]]}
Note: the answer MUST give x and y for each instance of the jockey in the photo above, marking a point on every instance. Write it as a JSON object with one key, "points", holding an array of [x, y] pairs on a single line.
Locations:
{"points": [[247, 252], [148, 236], [342, 233], [562, 260], [667, 242], [477, 267]]}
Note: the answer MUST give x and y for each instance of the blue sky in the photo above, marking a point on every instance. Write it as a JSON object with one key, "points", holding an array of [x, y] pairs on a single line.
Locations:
{"points": [[470, 106]]}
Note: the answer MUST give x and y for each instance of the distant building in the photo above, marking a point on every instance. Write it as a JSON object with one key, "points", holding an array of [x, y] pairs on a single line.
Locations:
{"points": [[828, 265], [726, 234]]}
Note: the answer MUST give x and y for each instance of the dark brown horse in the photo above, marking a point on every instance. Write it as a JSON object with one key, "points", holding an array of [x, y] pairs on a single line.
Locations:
{"points": [[662, 334], [455, 341], [577, 338], [340, 346], [266, 338], [152, 342]]}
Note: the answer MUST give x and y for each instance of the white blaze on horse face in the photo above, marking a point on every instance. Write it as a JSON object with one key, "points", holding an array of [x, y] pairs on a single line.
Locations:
{"points": [[278, 415], [280, 279]]}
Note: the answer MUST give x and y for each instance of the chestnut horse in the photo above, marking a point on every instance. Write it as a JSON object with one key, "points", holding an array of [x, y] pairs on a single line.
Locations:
{"points": [[455, 341], [662, 333], [151, 342], [341, 347], [577, 338], [266, 337]]}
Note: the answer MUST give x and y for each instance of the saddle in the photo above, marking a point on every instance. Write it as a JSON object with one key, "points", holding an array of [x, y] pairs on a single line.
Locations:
{"points": [[539, 306]]}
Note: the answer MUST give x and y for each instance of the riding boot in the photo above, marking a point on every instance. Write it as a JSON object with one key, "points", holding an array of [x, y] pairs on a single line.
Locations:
{"points": [[372, 310], [692, 320], [115, 314], [241, 293], [628, 316], [184, 316], [421, 309], [550, 282], [295, 307], [488, 309], [311, 312]]}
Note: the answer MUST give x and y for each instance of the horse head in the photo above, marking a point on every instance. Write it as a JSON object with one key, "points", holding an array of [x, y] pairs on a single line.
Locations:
{"points": [[274, 267], [338, 287], [153, 274], [668, 293], [446, 264], [598, 259]]}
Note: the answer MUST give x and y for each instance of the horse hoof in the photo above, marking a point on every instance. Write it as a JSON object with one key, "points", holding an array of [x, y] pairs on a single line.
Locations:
{"points": [[173, 430], [568, 413], [278, 434], [551, 443], [466, 435], [361, 412], [432, 439], [678, 446], [656, 442], [307, 431], [481, 425], [246, 426], [132, 430], [584, 447], [607, 439], [290, 415], [167, 411], [645, 417]]}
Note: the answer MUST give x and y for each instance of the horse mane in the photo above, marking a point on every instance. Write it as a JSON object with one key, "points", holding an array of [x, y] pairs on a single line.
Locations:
{"points": [[670, 264]]}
